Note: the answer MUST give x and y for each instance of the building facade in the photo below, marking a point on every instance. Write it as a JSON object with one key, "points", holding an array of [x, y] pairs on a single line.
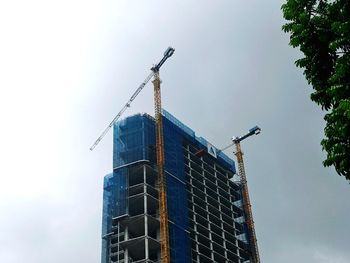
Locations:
{"points": [[206, 220]]}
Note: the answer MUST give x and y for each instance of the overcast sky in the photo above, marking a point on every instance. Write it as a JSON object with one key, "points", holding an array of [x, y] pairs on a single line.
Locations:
{"points": [[67, 67]]}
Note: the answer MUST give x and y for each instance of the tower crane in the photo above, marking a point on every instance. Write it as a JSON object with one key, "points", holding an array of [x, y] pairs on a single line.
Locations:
{"points": [[163, 211], [164, 231], [245, 194]]}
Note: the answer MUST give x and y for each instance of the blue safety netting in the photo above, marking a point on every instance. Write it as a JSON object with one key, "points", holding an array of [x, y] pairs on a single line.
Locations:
{"points": [[114, 204], [106, 215], [176, 192], [201, 143], [134, 140]]}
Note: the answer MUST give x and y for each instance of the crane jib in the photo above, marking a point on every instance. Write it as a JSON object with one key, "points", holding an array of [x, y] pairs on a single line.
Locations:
{"points": [[127, 105], [168, 53]]}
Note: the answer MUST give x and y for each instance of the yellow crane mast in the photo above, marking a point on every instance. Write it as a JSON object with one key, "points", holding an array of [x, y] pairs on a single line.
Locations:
{"points": [[163, 211], [245, 194]]}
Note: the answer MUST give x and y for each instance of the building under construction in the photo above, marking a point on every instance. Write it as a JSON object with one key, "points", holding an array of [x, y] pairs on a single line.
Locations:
{"points": [[206, 218]]}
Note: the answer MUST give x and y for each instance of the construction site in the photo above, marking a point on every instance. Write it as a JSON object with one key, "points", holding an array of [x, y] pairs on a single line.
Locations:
{"points": [[172, 195]]}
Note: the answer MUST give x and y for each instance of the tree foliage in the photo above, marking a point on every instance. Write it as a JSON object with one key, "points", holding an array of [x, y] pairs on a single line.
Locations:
{"points": [[321, 29]]}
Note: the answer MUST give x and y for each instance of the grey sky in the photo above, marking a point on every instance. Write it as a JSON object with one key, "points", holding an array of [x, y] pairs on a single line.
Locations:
{"points": [[66, 69]]}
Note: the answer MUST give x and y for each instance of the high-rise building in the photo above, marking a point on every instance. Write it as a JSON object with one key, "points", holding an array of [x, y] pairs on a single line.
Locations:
{"points": [[205, 216]]}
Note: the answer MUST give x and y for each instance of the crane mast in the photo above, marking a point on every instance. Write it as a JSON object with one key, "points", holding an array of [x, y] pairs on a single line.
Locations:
{"points": [[247, 205], [245, 194], [163, 211]]}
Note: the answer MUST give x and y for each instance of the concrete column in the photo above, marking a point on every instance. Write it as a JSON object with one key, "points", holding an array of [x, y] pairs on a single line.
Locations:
{"points": [[126, 252], [126, 256]]}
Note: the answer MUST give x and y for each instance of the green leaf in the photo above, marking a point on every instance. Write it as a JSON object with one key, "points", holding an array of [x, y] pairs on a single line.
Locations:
{"points": [[321, 29]]}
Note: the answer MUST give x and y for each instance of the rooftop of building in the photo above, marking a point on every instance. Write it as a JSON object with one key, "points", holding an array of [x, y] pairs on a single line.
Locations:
{"points": [[190, 134]]}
